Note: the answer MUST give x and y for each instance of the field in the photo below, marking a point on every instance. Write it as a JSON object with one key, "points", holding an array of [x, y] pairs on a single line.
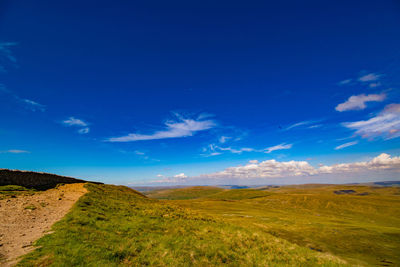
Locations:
{"points": [[117, 226], [359, 224], [207, 226]]}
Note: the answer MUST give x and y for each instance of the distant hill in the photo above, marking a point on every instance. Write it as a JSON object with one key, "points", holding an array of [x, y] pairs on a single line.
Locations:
{"points": [[387, 183], [184, 193], [36, 180]]}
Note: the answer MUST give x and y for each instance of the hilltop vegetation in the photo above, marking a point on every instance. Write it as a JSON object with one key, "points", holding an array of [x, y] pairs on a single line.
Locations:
{"points": [[117, 226], [34, 180], [360, 224]]}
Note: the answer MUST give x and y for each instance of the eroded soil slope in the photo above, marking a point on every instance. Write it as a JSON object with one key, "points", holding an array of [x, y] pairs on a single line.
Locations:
{"points": [[26, 218]]}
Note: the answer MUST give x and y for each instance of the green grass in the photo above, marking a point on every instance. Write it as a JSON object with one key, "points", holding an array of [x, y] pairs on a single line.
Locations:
{"points": [[117, 226], [239, 194], [362, 229], [184, 193], [30, 207], [7, 191]]}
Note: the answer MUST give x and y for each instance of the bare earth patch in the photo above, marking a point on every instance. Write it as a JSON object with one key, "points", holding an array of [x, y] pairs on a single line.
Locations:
{"points": [[25, 219]]}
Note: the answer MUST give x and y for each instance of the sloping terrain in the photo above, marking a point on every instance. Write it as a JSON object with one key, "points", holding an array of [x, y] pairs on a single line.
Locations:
{"points": [[184, 193], [26, 217], [360, 224], [117, 226]]}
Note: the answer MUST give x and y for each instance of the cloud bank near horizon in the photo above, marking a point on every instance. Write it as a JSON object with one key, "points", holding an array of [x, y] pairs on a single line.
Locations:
{"points": [[255, 172]]}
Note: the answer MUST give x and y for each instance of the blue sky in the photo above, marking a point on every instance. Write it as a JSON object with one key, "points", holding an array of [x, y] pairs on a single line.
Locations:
{"points": [[201, 92]]}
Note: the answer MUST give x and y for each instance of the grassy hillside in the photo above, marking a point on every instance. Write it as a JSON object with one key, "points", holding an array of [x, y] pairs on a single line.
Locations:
{"points": [[117, 226], [358, 223], [184, 193], [239, 194]]}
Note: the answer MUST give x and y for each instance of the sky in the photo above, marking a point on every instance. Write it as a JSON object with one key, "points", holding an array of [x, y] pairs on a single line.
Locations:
{"points": [[201, 92]]}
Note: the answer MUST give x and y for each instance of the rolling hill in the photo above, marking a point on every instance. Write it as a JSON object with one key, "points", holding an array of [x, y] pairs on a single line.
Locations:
{"points": [[300, 225]]}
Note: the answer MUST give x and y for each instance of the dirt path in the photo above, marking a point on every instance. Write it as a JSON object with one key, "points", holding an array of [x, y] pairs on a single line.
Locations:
{"points": [[26, 218]]}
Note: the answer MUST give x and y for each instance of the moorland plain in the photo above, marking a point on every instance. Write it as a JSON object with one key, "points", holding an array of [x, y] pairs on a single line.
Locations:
{"points": [[360, 224]]}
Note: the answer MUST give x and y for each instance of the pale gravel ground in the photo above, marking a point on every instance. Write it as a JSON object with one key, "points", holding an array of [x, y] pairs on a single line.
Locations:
{"points": [[20, 227]]}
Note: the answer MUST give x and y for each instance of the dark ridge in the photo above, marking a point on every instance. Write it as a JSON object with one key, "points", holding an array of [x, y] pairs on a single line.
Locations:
{"points": [[35, 180], [388, 183], [343, 192]]}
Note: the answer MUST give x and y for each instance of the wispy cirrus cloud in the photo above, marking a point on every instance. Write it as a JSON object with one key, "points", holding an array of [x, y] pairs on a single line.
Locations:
{"points": [[33, 105], [223, 139], [308, 123], [26, 103], [346, 145], [74, 122], [301, 123], [238, 150], [278, 147], [370, 77], [215, 150], [345, 82], [15, 151], [385, 124], [358, 102], [84, 130], [182, 127], [6, 55]]}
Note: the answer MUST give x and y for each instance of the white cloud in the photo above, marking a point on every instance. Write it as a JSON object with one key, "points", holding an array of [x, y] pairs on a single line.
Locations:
{"points": [[236, 151], [369, 77], [265, 169], [202, 116], [344, 82], [84, 130], [278, 147], [174, 129], [33, 105], [215, 150], [15, 151], [357, 102], [181, 175], [276, 169], [382, 162], [346, 145], [160, 175], [71, 121], [385, 124], [213, 154], [27, 103], [298, 124], [6, 55], [223, 139], [304, 123], [373, 85]]}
